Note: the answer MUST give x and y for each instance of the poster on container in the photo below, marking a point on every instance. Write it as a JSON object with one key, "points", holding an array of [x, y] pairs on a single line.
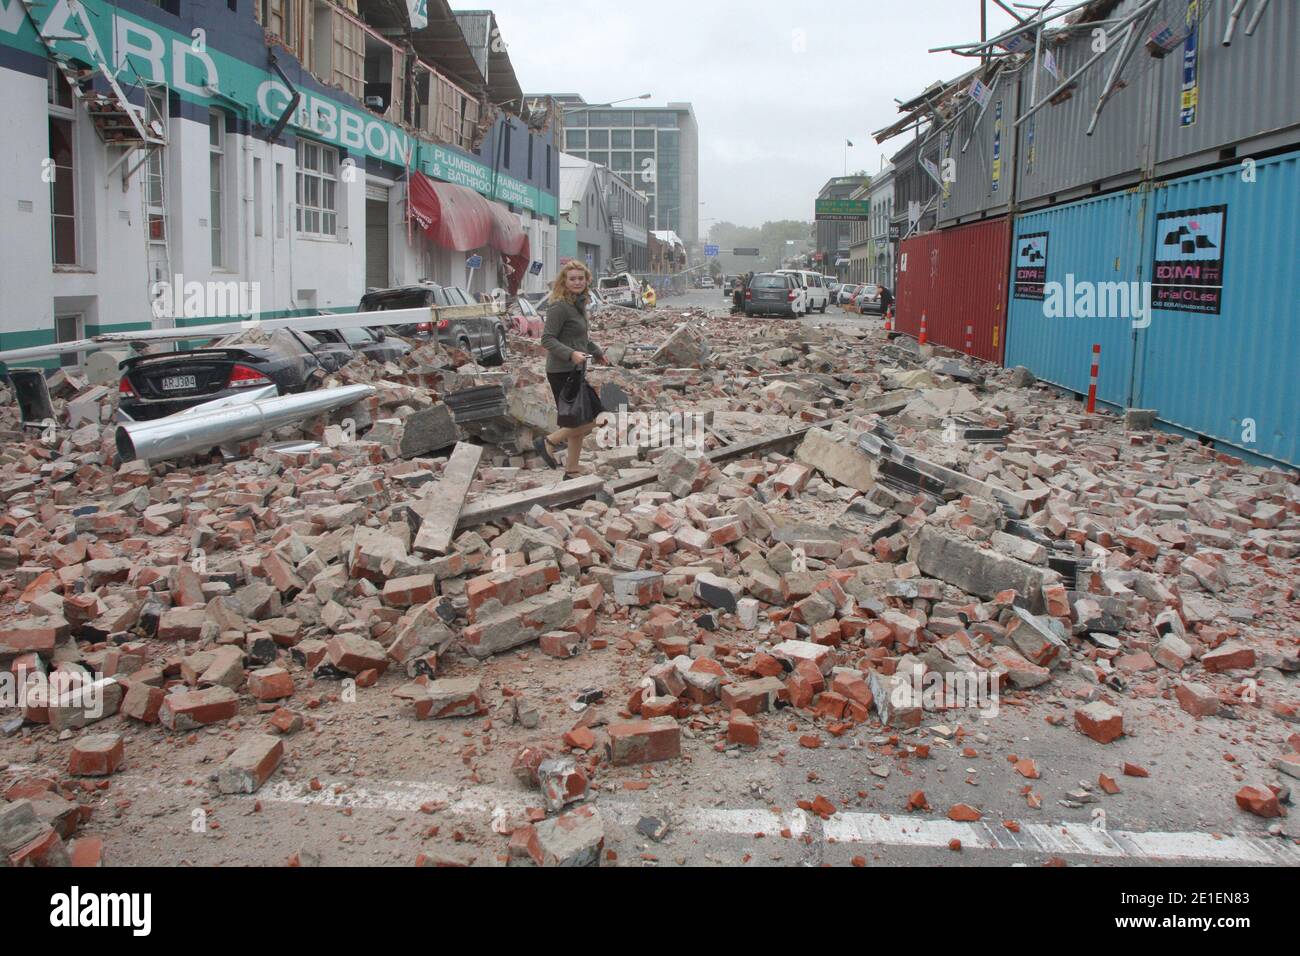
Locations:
{"points": [[1017, 44], [1189, 260], [1191, 87], [1031, 265], [997, 146], [1049, 64]]}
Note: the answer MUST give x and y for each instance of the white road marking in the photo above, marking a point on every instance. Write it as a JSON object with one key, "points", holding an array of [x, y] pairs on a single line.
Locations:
{"points": [[867, 829], [410, 796], [1060, 838]]}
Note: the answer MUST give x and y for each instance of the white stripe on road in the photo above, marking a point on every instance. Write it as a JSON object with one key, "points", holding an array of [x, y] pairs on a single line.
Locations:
{"points": [[1059, 838], [410, 796], [869, 829]]}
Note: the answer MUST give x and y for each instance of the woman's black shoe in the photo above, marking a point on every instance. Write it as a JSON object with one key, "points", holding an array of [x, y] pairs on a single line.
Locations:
{"points": [[539, 446]]}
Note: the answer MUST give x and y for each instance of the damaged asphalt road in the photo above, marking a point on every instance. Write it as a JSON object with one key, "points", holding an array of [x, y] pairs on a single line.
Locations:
{"points": [[398, 638]]}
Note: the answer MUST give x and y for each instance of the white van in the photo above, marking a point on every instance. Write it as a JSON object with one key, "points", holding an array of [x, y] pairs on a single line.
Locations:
{"points": [[622, 289], [815, 295]]}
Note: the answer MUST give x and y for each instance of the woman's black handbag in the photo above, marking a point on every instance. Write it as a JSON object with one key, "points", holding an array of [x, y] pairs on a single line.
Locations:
{"points": [[578, 402]]}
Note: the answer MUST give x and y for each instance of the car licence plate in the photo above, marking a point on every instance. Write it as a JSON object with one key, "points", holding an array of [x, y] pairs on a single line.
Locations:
{"points": [[174, 383]]}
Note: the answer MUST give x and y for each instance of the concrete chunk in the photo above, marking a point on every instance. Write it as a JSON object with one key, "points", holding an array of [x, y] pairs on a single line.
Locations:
{"points": [[839, 461], [517, 624], [575, 838], [976, 570]]}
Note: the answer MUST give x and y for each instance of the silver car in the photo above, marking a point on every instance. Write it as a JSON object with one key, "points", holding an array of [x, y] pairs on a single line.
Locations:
{"points": [[868, 300], [773, 293]]}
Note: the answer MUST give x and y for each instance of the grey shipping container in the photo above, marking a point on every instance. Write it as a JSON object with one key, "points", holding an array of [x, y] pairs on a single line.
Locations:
{"points": [[1241, 101]]}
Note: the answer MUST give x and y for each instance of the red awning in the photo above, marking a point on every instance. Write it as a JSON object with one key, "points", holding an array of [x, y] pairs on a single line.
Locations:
{"points": [[456, 217], [509, 238]]}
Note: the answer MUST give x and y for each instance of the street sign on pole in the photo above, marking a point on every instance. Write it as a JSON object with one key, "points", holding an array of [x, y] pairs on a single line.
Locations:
{"points": [[472, 265], [745, 251], [711, 251], [842, 210]]}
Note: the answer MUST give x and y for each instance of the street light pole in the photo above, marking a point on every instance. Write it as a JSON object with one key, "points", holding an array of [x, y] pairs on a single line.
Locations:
{"points": [[601, 106]]}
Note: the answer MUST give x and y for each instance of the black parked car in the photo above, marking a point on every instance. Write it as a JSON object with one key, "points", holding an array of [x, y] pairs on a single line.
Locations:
{"points": [[772, 293], [154, 386], [482, 336], [372, 343]]}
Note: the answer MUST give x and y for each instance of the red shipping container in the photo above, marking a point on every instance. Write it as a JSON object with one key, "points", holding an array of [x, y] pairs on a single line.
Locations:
{"points": [[957, 279]]}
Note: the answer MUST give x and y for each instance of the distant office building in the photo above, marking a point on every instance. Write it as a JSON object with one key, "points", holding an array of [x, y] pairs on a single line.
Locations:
{"points": [[602, 219], [882, 235], [834, 238], [860, 242], [654, 148]]}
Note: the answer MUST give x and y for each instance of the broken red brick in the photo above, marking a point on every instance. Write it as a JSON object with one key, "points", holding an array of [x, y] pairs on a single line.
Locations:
{"points": [[270, 683], [142, 702], [193, 709], [1229, 656], [1027, 768], [561, 644], [1260, 800], [581, 738], [1100, 721], [98, 755], [644, 741], [742, 730], [1196, 699]]}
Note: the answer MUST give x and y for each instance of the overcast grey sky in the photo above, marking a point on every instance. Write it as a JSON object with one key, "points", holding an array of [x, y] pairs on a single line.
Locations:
{"points": [[777, 86]]}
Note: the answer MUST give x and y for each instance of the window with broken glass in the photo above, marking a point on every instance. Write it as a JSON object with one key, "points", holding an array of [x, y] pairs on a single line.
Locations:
{"points": [[63, 208]]}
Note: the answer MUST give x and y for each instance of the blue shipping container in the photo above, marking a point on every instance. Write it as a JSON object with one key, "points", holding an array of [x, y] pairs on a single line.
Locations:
{"points": [[1233, 375], [1056, 253], [1217, 352]]}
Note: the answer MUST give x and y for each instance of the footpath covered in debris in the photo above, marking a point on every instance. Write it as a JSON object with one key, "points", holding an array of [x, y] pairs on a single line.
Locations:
{"points": [[816, 585]]}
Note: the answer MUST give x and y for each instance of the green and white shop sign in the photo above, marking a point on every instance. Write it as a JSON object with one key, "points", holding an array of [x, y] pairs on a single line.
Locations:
{"points": [[201, 74]]}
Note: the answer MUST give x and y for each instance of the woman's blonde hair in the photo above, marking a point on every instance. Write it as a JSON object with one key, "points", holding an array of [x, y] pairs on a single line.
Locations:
{"points": [[560, 290]]}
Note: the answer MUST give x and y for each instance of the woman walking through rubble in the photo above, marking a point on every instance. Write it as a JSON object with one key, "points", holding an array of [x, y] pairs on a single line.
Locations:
{"points": [[568, 347]]}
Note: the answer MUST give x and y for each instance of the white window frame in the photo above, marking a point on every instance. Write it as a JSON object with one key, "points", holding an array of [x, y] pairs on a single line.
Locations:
{"points": [[258, 198], [155, 170], [217, 187], [280, 216], [67, 114], [78, 332], [317, 194]]}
